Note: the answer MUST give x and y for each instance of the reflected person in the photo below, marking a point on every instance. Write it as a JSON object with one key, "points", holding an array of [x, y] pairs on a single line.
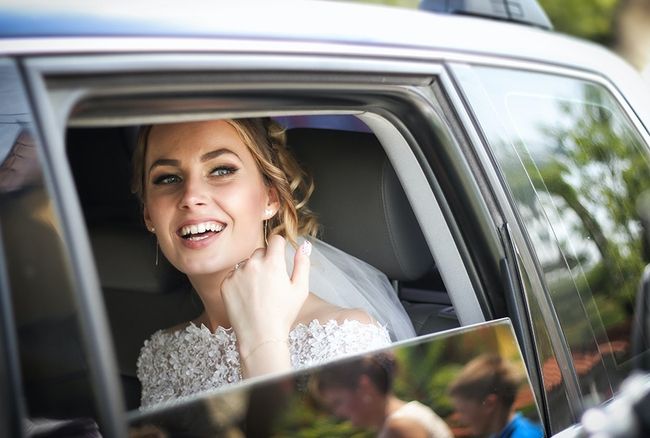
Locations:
{"points": [[362, 392], [483, 395]]}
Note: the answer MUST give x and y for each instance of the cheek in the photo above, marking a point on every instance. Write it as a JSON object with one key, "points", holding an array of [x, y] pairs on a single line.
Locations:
{"points": [[246, 202]]}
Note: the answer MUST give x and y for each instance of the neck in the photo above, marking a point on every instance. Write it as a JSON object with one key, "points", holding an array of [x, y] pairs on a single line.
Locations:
{"points": [[501, 419], [208, 287]]}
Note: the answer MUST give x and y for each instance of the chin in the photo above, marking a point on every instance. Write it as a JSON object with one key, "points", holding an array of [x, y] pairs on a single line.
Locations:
{"points": [[202, 267]]}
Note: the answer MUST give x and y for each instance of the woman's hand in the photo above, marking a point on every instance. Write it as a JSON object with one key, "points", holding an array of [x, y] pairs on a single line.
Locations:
{"points": [[263, 302]]}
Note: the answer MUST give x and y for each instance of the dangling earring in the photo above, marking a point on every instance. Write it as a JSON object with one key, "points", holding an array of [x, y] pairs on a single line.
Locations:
{"points": [[268, 213], [266, 230]]}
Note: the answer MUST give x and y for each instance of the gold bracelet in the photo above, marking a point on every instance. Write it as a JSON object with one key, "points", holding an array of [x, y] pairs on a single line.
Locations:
{"points": [[268, 341]]}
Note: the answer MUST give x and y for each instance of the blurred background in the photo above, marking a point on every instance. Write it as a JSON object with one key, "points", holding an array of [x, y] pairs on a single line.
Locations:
{"points": [[620, 25]]}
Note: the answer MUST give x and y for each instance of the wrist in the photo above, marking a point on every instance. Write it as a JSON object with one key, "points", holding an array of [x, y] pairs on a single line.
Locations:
{"points": [[246, 352]]}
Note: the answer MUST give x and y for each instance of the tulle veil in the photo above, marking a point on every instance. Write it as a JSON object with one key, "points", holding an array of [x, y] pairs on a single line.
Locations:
{"points": [[346, 281]]}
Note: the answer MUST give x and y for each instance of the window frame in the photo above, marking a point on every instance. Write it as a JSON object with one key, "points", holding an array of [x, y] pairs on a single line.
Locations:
{"points": [[410, 81], [48, 67]]}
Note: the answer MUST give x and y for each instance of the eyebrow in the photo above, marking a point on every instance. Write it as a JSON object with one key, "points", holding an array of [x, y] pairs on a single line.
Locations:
{"points": [[205, 157]]}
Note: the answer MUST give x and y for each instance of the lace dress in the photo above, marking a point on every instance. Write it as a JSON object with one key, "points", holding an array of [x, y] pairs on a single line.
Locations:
{"points": [[177, 364]]}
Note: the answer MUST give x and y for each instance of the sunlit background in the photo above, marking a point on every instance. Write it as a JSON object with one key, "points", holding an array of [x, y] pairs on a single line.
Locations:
{"points": [[621, 25]]}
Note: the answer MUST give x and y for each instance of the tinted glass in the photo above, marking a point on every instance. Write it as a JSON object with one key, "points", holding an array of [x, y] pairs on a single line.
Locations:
{"points": [[53, 365], [442, 383], [576, 167]]}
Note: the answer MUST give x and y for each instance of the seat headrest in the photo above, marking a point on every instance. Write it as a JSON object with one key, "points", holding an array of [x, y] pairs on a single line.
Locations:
{"points": [[359, 200], [126, 260]]}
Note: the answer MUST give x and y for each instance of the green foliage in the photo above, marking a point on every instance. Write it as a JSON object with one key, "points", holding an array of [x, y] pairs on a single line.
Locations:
{"points": [[596, 172], [589, 19]]}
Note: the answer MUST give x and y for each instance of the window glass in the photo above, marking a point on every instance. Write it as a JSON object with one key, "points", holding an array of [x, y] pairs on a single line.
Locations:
{"points": [[453, 383], [54, 369], [576, 167]]}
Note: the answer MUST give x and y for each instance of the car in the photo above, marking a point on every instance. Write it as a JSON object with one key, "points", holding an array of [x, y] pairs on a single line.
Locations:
{"points": [[491, 169]]}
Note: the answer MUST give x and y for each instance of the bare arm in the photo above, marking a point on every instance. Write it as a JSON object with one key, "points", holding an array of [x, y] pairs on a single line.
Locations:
{"points": [[403, 428]]}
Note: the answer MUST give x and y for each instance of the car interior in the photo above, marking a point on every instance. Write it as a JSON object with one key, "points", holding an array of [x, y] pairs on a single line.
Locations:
{"points": [[358, 198]]}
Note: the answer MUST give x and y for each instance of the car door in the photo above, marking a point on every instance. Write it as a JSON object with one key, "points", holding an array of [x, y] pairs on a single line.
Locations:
{"points": [[414, 110], [572, 157], [394, 99]]}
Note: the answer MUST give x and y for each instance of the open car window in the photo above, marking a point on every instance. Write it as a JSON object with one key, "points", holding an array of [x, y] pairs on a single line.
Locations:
{"points": [[435, 380], [144, 293], [376, 197]]}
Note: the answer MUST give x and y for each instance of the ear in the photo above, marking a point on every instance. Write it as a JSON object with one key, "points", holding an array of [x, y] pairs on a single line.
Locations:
{"points": [[272, 203], [147, 219]]}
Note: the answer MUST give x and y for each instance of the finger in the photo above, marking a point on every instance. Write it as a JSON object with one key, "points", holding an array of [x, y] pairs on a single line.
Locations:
{"points": [[301, 263]]}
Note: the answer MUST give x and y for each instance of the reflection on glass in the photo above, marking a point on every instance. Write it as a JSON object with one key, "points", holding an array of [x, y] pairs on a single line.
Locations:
{"points": [[55, 386], [362, 392], [484, 395], [576, 167], [402, 389]]}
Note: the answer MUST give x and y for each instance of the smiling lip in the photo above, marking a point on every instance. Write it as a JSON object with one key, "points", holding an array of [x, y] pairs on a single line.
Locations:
{"points": [[198, 234]]}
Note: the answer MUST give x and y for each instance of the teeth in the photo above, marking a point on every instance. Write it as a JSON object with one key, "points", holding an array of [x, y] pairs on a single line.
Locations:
{"points": [[201, 228]]}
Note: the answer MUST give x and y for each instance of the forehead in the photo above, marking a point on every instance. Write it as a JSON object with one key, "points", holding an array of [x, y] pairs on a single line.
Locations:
{"points": [[193, 136]]}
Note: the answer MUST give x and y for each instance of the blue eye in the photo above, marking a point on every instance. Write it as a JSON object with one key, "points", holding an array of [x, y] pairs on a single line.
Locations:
{"points": [[223, 171], [167, 179]]}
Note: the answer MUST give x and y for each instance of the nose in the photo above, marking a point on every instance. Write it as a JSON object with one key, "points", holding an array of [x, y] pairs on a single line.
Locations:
{"points": [[194, 193]]}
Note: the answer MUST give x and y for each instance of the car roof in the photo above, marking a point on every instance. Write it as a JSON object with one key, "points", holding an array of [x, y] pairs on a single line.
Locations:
{"points": [[31, 27], [322, 21]]}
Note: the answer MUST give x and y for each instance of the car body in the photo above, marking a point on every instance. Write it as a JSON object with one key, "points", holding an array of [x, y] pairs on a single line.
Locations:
{"points": [[523, 155]]}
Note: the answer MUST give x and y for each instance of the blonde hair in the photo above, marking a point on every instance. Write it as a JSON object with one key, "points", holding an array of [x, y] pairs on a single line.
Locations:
{"points": [[266, 140]]}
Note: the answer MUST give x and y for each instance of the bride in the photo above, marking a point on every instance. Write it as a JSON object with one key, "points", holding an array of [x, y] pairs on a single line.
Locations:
{"points": [[227, 204]]}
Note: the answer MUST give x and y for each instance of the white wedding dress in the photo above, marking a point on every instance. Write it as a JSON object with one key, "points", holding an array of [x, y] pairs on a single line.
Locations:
{"points": [[177, 364]]}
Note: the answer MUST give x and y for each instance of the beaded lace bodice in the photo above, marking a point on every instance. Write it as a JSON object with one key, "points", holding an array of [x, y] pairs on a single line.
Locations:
{"points": [[177, 364]]}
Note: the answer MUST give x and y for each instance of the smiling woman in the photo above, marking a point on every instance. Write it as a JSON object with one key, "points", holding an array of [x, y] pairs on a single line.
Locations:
{"points": [[222, 198]]}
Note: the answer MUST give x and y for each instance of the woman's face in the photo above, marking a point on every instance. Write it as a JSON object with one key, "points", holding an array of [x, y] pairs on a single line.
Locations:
{"points": [[205, 196], [348, 404]]}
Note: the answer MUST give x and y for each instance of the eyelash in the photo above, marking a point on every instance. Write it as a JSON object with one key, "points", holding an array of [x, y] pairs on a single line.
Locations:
{"points": [[220, 172], [165, 179]]}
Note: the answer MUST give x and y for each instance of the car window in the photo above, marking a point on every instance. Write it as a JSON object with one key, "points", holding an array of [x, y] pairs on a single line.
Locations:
{"points": [[429, 383], [135, 281], [53, 364], [576, 167]]}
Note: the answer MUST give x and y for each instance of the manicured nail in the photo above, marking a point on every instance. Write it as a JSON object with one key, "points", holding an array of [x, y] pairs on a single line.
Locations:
{"points": [[305, 248]]}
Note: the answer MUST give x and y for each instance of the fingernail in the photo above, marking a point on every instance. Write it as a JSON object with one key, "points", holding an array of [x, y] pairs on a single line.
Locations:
{"points": [[305, 248]]}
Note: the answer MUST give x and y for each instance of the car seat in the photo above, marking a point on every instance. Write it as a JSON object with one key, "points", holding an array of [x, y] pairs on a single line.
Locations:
{"points": [[363, 210]]}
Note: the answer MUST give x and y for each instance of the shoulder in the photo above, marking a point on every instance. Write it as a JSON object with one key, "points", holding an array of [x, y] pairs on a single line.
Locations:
{"points": [[341, 315], [526, 428], [322, 311], [403, 427], [420, 417]]}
